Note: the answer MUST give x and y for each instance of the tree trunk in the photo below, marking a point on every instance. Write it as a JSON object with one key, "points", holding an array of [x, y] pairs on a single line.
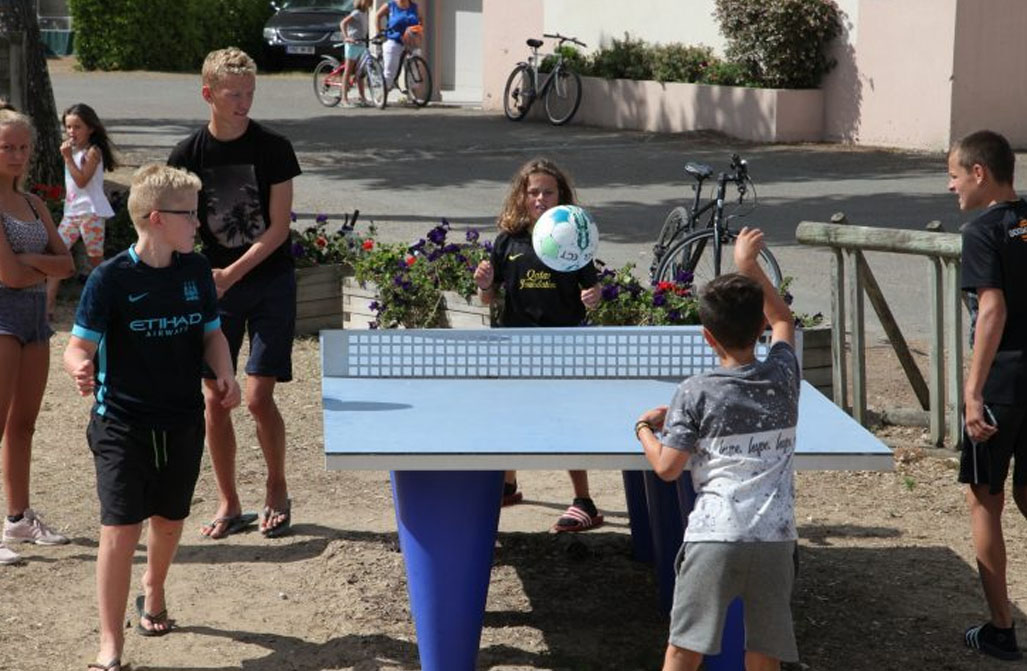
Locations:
{"points": [[18, 19]]}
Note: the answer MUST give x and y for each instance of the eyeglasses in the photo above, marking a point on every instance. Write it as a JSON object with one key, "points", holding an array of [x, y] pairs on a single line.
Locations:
{"points": [[189, 213]]}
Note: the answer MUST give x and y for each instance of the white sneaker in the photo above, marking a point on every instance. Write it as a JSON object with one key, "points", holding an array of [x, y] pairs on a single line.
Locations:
{"points": [[31, 529], [8, 556]]}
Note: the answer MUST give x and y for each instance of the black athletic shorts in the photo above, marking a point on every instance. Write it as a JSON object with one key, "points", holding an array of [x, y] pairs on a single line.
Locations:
{"points": [[987, 463], [266, 311], [144, 472]]}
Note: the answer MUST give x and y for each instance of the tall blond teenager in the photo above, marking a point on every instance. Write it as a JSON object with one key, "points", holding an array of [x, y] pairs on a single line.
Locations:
{"points": [[244, 208]]}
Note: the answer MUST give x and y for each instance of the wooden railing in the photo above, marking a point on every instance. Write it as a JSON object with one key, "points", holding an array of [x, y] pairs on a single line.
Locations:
{"points": [[851, 278]]}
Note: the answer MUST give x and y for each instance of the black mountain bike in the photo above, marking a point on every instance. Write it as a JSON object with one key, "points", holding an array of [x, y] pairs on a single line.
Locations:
{"points": [[560, 88], [685, 252]]}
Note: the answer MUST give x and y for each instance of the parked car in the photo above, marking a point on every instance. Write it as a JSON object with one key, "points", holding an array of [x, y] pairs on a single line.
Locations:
{"points": [[301, 31]]}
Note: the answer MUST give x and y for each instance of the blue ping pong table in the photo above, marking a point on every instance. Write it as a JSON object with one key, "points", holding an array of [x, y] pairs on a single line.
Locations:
{"points": [[447, 411]]}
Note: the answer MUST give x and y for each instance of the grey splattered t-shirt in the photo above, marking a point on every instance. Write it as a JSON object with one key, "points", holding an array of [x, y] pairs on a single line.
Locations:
{"points": [[739, 425]]}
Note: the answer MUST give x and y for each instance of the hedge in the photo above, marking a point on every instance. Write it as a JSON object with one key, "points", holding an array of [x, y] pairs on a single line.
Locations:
{"points": [[170, 35]]}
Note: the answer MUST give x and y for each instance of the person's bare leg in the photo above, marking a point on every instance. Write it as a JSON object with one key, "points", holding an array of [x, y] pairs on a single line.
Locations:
{"points": [[579, 480], [222, 446], [113, 578], [680, 659], [30, 381], [757, 661], [161, 545], [510, 477], [260, 402], [990, 546]]}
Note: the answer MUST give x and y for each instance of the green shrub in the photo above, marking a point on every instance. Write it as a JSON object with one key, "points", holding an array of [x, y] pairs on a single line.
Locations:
{"points": [[624, 59], [726, 73], [163, 34], [680, 63], [573, 58], [119, 233], [780, 43]]}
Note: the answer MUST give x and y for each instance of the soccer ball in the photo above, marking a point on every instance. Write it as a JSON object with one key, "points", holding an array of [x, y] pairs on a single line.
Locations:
{"points": [[565, 238]]}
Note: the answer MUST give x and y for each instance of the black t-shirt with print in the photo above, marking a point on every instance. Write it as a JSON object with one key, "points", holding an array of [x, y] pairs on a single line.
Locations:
{"points": [[995, 256], [235, 201], [535, 294]]}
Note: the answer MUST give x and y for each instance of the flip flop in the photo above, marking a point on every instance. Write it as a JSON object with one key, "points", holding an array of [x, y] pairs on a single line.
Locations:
{"points": [[113, 665], [233, 524], [576, 519], [160, 618], [282, 527]]}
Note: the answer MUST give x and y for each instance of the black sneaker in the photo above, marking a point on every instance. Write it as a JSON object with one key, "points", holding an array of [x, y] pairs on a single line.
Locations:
{"points": [[991, 640]]}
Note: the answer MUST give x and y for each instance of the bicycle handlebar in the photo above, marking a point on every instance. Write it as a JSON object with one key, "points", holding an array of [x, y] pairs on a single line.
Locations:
{"points": [[563, 38]]}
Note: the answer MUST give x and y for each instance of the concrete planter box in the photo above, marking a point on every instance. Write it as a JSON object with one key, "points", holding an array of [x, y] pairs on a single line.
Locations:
{"points": [[318, 298], [759, 115], [461, 313]]}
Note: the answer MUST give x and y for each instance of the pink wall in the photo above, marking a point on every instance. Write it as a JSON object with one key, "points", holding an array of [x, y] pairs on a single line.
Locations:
{"points": [[506, 26], [990, 58], [904, 60]]}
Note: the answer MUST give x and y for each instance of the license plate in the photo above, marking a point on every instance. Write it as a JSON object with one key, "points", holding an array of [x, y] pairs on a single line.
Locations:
{"points": [[299, 50]]}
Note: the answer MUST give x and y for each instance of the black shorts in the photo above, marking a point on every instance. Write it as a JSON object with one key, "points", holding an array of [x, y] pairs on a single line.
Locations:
{"points": [[266, 309], [987, 463], [144, 472]]}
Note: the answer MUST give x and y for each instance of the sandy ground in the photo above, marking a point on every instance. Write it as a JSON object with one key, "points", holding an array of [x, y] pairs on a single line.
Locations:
{"points": [[887, 578]]}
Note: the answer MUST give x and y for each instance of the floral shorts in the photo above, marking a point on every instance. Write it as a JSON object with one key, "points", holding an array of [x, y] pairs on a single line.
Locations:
{"points": [[89, 226]]}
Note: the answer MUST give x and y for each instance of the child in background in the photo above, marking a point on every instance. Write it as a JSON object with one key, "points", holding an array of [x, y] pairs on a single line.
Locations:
{"points": [[535, 295], [86, 151], [152, 312], [354, 27], [734, 427], [30, 252]]}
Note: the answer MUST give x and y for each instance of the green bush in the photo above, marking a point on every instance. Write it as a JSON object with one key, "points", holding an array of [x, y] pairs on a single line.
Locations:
{"points": [[573, 58], [780, 43], [163, 34], [679, 62], [624, 59]]}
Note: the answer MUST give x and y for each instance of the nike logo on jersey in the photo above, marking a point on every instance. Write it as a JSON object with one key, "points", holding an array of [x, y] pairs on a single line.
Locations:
{"points": [[134, 298], [514, 257]]}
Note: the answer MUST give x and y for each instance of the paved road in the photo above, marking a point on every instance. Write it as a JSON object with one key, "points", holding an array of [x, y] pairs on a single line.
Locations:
{"points": [[405, 169]]}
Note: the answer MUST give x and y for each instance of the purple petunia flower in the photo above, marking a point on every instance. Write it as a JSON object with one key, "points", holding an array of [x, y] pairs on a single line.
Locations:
{"points": [[610, 292], [417, 246], [788, 298], [437, 235], [659, 299], [487, 245], [321, 218], [451, 249], [674, 315], [683, 277], [472, 235], [374, 305], [297, 250], [293, 217], [434, 255]]}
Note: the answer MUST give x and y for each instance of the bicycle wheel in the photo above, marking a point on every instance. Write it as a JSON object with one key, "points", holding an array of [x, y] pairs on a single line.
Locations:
{"points": [[417, 78], [519, 93], [694, 254], [327, 86], [563, 96], [375, 81], [677, 221]]}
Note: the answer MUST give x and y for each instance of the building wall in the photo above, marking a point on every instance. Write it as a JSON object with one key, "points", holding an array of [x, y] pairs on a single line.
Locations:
{"points": [[989, 58], [506, 26], [904, 60], [661, 21]]}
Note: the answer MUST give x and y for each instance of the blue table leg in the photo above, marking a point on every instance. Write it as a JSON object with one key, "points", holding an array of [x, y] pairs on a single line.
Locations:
{"points": [[638, 517], [447, 531], [732, 643], [667, 526]]}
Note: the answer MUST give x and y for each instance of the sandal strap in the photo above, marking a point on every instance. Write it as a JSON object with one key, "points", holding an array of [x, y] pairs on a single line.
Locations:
{"points": [[113, 664]]}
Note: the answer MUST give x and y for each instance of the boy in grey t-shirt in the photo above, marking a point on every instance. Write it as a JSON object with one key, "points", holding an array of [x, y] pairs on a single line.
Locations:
{"points": [[734, 428]]}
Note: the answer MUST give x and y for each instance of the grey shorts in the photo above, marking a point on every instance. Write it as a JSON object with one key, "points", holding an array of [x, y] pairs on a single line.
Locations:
{"points": [[23, 315], [711, 575]]}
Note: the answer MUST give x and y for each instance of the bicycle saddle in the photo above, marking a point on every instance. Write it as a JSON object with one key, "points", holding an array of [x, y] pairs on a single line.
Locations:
{"points": [[698, 170], [534, 44]]}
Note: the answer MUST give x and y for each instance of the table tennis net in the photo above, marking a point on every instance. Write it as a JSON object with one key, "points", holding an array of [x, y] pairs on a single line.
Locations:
{"points": [[557, 353]]}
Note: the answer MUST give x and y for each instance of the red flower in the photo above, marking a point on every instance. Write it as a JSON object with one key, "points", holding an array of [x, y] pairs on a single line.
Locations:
{"points": [[665, 286], [321, 241], [368, 244], [411, 260], [53, 193]]}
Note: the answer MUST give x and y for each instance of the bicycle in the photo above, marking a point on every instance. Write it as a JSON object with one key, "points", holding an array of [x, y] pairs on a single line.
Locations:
{"points": [[680, 255], [328, 76], [561, 88], [417, 80]]}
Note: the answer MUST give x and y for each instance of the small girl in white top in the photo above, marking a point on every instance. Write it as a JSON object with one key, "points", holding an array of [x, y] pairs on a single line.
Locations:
{"points": [[86, 151], [354, 27]]}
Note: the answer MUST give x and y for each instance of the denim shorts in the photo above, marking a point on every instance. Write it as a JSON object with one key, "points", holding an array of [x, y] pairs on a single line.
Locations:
{"points": [[264, 308], [23, 315]]}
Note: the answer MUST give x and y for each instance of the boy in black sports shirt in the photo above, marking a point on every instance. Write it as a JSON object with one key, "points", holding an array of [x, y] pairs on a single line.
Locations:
{"points": [[994, 268], [146, 323], [247, 172]]}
